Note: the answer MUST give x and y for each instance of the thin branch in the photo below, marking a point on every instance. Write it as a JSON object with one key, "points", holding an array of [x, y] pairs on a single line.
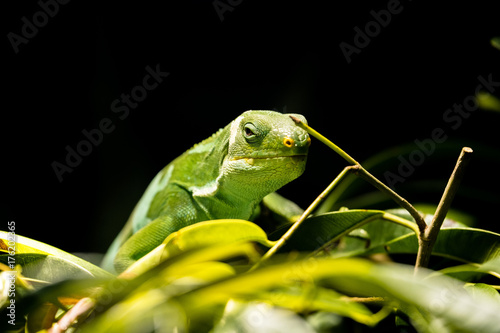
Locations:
{"points": [[419, 219], [426, 234], [323, 139], [301, 219], [401, 221], [78, 312], [358, 169], [449, 192], [429, 236]]}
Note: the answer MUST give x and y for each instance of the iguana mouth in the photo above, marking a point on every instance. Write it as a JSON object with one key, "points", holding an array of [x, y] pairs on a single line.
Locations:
{"points": [[266, 157]]}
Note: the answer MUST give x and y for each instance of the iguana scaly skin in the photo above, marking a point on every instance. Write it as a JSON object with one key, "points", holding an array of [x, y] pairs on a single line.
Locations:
{"points": [[225, 176]]}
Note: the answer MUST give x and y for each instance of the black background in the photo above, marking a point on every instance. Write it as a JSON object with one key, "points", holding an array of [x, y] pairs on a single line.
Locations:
{"points": [[279, 56]]}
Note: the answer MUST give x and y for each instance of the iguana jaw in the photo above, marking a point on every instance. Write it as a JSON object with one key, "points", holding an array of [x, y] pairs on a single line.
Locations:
{"points": [[235, 158], [251, 160]]}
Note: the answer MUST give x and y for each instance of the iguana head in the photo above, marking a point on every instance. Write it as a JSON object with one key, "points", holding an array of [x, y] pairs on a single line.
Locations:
{"points": [[266, 150]]}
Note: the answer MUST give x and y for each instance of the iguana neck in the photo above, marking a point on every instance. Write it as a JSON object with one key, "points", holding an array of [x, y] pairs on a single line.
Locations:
{"points": [[226, 195]]}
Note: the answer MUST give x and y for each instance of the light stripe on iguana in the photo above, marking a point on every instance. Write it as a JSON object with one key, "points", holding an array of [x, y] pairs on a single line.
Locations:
{"points": [[225, 176]]}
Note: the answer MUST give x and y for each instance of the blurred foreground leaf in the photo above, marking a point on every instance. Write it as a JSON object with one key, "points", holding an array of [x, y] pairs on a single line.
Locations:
{"points": [[44, 262]]}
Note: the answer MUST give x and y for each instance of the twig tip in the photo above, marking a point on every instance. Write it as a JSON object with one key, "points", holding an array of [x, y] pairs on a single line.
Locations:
{"points": [[467, 150], [296, 120]]}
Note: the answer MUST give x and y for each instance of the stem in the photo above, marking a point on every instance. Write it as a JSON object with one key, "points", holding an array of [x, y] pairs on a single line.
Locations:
{"points": [[428, 236], [359, 170], [323, 139], [401, 221], [301, 219], [396, 197], [76, 313]]}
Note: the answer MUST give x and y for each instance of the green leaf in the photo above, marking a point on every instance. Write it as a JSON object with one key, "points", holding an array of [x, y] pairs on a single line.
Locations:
{"points": [[318, 230], [437, 302], [212, 233], [381, 230], [146, 299], [48, 268], [378, 227], [495, 42], [484, 290], [464, 244], [143, 311], [41, 260], [487, 101], [260, 317], [467, 272], [200, 235], [320, 299]]}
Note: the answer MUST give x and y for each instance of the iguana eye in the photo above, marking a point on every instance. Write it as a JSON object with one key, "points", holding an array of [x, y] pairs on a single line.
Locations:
{"points": [[250, 132]]}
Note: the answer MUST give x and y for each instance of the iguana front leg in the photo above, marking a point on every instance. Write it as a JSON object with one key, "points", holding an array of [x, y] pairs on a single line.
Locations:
{"points": [[180, 204], [142, 242]]}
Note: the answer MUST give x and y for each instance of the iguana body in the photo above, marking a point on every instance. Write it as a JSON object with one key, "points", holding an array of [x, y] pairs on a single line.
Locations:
{"points": [[224, 176]]}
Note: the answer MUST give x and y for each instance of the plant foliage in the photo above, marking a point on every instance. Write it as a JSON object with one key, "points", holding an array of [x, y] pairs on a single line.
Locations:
{"points": [[341, 270]]}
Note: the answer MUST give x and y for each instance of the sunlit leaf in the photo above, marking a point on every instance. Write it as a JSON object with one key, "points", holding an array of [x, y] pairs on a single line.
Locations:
{"points": [[213, 233], [142, 312], [147, 298], [260, 317], [46, 260], [199, 235], [441, 299], [484, 290], [305, 300], [487, 101], [495, 42]]}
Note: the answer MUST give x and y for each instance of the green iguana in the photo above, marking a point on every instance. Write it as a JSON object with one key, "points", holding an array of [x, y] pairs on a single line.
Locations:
{"points": [[225, 176]]}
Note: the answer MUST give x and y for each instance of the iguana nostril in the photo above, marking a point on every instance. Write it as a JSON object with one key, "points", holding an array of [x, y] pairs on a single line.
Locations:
{"points": [[288, 142]]}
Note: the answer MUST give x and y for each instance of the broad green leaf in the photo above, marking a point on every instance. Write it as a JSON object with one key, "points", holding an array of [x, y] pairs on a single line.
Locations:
{"points": [[207, 271], [49, 268], [46, 260], [198, 266], [487, 101], [441, 301], [260, 317], [454, 218], [176, 275], [484, 290], [273, 276], [318, 230], [305, 300], [377, 232], [199, 235], [377, 228], [467, 271], [380, 231], [495, 42], [324, 322], [143, 311], [212, 233], [464, 244]]}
